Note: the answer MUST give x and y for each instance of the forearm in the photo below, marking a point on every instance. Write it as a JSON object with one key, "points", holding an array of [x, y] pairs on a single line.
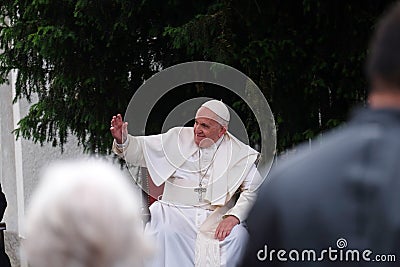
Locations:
{"points": [[243, 205], [247, 196]]}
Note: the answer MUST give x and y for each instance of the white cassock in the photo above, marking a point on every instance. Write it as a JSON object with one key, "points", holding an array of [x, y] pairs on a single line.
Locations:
{"points": [[183, 223]]}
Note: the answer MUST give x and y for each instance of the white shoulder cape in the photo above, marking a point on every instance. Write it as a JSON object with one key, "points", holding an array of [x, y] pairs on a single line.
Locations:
{"points": [[164, 153]]}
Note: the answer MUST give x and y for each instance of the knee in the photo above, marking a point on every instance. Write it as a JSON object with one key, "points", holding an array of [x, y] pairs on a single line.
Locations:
{"points": [[238, 235]]}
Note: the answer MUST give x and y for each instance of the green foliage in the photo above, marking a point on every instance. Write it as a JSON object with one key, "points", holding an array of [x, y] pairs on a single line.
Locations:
{"points": [[306, 56], [84, 59]]}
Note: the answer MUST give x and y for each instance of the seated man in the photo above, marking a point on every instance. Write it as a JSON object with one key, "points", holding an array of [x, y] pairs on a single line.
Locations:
{"points": [[197, 222]]}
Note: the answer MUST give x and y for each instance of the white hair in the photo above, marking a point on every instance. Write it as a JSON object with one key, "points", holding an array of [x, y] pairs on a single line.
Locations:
{"points": [[84, 214]]}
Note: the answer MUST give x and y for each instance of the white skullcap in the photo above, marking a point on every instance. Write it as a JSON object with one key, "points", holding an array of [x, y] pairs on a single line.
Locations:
{"points": [[219, 108]]}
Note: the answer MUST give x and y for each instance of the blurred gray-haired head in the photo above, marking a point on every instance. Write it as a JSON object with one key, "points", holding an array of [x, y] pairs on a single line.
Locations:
{"points": [[84, 214]]}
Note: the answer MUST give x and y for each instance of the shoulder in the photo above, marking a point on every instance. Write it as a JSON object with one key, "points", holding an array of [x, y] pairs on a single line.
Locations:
{"points": [[239, 145], [178, 134], [177, 130], [322, 168]]}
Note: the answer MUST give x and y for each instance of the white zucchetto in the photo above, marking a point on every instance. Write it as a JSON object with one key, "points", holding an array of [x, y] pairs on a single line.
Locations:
{"points": [[219, 108]]}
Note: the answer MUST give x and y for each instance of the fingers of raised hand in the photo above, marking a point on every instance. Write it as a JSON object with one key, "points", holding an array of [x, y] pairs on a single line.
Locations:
{"points": [[118, 118], [116, 121]]}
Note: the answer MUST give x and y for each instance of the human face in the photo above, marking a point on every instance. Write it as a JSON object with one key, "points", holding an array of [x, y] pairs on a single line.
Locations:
{"points": [[207, 131]]}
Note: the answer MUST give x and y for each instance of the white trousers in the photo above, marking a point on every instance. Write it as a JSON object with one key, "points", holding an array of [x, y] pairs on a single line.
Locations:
{"points": [[174, 230]]}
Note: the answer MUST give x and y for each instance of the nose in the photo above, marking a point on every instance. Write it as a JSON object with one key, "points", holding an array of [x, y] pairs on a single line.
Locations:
{"points": [[197, 129]]}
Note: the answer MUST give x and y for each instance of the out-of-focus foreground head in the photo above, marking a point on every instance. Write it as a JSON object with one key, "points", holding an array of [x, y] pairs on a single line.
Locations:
{"points": [[84, 214], [383, 65]]}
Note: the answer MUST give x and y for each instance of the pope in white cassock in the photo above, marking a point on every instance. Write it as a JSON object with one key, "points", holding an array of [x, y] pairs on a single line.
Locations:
{"points": [[199, 220]]}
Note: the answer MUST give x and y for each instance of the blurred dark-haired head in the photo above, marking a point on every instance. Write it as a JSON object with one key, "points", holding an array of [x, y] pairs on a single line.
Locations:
{"points": [[384, 59]]}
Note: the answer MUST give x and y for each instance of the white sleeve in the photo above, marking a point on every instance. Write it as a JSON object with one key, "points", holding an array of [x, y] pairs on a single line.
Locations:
{"points": [[121, 146], [252, 181], [248, 195], [131, 151]]}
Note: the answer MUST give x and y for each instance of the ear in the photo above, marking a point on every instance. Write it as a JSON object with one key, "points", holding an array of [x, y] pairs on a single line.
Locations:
{"points": [[222, 131]]}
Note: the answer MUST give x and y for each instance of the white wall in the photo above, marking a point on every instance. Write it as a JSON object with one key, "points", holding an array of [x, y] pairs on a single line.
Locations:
{"points": [[20, 164]]}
